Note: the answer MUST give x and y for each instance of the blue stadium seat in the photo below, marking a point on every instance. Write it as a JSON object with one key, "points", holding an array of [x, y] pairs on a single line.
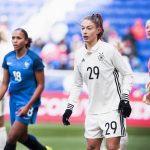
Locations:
{"points": [[14, 9]]}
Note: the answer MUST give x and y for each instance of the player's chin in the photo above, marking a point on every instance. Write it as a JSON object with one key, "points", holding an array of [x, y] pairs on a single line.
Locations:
{"points": [[85, 40], [16, 48]]}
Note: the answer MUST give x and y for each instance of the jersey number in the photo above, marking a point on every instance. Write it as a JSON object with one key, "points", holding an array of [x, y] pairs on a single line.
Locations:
{"points": [[93, 72], [17, 76], [109, 126]]}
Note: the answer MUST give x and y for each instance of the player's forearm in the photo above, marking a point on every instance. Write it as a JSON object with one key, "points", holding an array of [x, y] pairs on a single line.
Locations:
{"points": [[127, 83], [3, 90], [74, 96], [36, 94]]}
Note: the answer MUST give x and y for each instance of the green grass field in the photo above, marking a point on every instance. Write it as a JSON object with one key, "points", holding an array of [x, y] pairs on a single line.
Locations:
{"points": [[71, 138]]}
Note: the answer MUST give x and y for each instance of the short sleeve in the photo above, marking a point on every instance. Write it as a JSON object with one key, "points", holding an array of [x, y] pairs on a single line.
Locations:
{"points": [[38, 64], [4, 64]]}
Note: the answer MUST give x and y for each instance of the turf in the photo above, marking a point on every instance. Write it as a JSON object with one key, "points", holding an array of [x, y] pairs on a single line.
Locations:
{"points": [[71, 137]]}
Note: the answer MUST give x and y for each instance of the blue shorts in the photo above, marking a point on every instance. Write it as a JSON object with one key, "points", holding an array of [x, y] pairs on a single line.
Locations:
{"points": [[29, 118]]}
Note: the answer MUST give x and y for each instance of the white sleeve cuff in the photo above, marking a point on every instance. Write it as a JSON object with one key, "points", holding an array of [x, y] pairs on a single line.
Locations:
{"points": [[125, 91]]}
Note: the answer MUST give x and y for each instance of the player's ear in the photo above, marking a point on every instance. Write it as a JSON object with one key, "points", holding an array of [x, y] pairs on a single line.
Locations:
{"points": [[99, 30], [26, 42]]}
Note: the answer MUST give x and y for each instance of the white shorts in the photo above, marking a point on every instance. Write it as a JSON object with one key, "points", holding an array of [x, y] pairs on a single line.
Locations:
{"points": [[2, 107], [106, 125]]}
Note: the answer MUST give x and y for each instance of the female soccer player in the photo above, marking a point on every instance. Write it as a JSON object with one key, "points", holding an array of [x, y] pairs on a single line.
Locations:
{"points": [[98, 65], [147, 29], [24, 74], [4, 47], [147, 95]]}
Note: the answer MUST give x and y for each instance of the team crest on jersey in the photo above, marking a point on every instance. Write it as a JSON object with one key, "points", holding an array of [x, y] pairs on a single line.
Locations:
{"points": [[27, 64], [101, 57]]}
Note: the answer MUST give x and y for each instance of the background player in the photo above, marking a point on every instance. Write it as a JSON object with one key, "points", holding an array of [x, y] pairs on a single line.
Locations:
{"points": [[146, 98], [98, 64], [4, 48], [147, 29], [24, 73]]}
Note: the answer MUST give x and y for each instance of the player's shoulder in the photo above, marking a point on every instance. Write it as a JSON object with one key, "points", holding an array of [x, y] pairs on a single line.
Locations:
{"points": [[107, 46], [9, 54], [79, 50], [79, 54], [108, 49], [32, 54]]}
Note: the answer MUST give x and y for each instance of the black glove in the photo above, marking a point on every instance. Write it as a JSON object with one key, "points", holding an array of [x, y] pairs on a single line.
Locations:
{"points": [[124, 106], [66, 117]]}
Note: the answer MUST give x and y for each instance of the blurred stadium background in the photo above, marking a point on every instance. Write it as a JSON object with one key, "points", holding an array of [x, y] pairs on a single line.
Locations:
{"points": [[54, 26]]}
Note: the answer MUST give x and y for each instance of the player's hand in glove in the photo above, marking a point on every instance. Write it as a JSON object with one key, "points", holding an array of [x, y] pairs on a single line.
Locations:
{"points": [[124, 106], [67, 114], [66, 117]]}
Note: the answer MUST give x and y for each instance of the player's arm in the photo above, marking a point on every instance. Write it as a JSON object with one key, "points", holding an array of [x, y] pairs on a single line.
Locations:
{"points": [[74, 94], [127, 82], [125, 71], [146, 97], [39, 75], [5, 83]]}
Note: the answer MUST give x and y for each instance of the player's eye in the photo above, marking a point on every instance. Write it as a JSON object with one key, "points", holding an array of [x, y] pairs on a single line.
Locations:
{"points": [[89, 28]]}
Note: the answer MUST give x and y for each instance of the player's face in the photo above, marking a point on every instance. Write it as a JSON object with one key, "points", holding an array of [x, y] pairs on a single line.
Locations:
{"points": [[147, 29], [18, 40], [89, 31]]}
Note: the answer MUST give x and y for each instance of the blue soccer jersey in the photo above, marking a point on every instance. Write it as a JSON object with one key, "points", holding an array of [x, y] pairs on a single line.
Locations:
{"points": [[22, 76]]}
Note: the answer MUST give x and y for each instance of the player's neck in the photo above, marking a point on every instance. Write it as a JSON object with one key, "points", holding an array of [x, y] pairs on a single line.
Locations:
{"points": [[20, 53], [90, 44]]}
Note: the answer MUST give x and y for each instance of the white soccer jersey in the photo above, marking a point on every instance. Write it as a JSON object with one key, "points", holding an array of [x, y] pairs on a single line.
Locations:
{"points": [[98, 69]]}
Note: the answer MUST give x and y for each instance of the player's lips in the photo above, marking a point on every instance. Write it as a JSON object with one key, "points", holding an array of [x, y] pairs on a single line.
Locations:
{"points": [[15, 46], [85, 37]]}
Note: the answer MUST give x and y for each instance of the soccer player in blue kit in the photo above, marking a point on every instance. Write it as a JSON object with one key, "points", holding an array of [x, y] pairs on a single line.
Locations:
{"points": [[23, 74]]}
